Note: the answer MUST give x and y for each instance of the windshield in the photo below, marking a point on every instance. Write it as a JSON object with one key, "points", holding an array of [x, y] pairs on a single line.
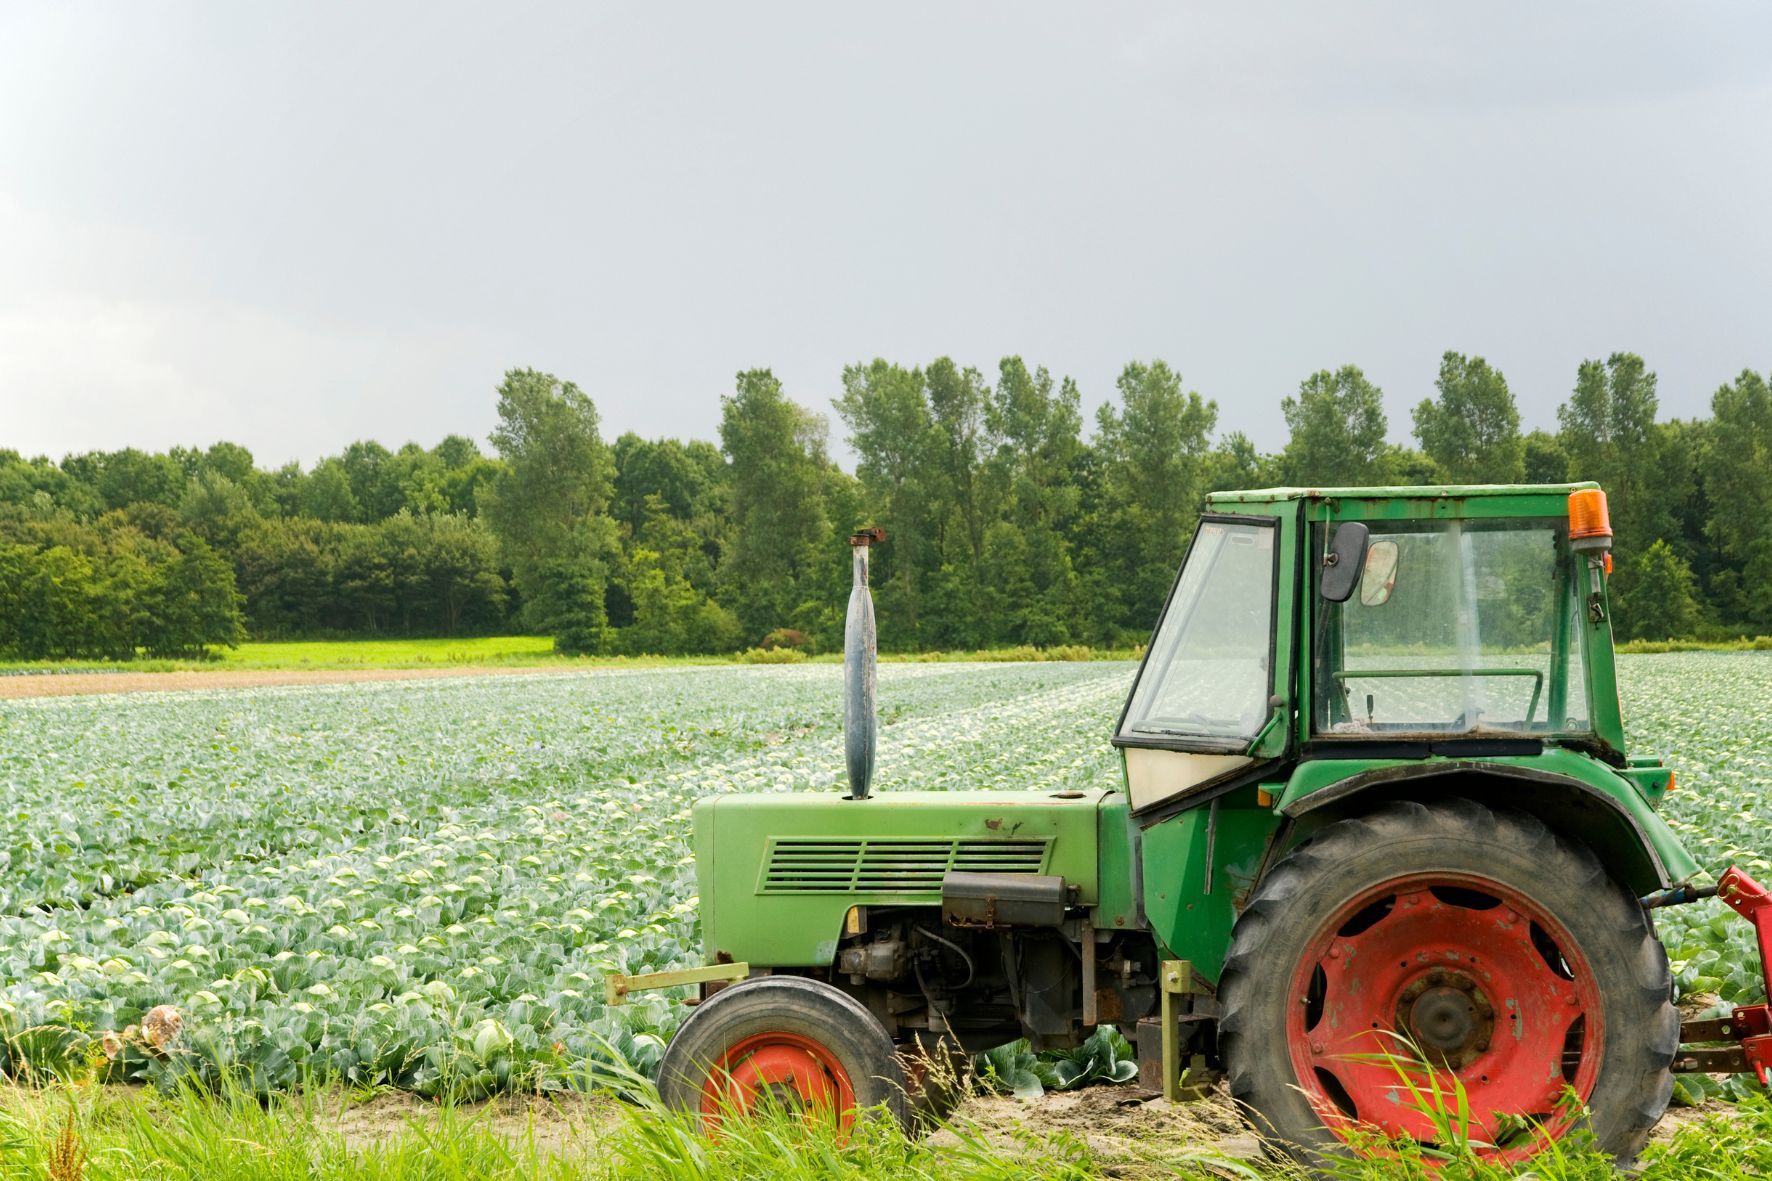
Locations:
{"points": [[1457, 627], [1207, 674]]}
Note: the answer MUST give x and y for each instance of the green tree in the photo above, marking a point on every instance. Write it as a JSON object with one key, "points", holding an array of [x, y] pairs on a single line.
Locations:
{"points": [[1234, 463], [776, 449], [1738, 485], [374, 486], [1606, 428], [959, 504], [1153, 453], [548, 507], [1472, 430], [1544, 459], [886, 408], [195, 604], [688, 478], [325, 493], [672, 615], [448, 572], [1028, 591], [129, 476], [229, 460], [1660, 601], [1337, 427], [217, 509], [53, 601]]}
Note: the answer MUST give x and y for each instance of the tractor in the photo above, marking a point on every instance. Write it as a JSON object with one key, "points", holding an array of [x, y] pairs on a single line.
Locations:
{"points": [[1378, 835]]}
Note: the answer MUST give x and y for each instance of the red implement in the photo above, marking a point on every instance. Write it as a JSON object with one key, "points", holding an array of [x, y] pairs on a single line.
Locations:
{"points": [[1752, 1024]]}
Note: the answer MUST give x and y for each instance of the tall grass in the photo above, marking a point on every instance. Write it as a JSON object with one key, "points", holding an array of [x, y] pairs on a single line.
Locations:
{"points": [[88, 1133]]}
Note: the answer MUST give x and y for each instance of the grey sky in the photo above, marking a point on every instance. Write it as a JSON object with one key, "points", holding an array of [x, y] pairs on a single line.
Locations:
{"points": [[294, 226]]}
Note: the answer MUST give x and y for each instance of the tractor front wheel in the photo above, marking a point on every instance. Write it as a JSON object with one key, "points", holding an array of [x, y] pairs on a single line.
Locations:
{"points": [[785, 1040], [1427, 966]]}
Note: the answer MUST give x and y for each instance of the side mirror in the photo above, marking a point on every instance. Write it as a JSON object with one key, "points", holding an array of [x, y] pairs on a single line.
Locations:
{"points": [[1381, 573], [1344, 562]]}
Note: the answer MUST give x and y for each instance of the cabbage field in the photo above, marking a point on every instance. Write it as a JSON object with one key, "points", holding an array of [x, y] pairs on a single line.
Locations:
{"points": [[423, 883]]}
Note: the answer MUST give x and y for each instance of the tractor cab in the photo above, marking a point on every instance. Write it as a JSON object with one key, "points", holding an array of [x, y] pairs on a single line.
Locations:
{"points": [[1378, 834], [1431, 624]]}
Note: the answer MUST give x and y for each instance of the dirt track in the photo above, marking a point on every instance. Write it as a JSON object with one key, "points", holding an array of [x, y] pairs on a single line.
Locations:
{"points": [[72, 684]]}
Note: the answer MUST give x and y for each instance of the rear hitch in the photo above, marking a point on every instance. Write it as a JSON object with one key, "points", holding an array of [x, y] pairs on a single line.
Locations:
{"points": [[1749, 1026]]}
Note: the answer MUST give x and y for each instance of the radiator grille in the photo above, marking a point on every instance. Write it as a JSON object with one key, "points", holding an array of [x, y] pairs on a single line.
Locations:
{"points": [[891, 865]]}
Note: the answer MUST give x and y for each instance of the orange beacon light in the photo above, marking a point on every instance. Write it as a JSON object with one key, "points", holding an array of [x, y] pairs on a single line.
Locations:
{"points": [[1590, 524]]}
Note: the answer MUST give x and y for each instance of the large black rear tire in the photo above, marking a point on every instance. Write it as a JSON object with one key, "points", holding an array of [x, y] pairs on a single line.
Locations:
{"points": [[1442, 905]]}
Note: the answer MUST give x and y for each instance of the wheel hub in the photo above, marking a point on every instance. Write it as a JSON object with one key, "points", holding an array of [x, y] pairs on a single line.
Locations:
{"points": [[1448, 1016]]}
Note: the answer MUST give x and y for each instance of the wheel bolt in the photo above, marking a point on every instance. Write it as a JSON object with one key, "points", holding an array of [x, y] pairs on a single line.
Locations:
{"points": [[1316, 1047]]}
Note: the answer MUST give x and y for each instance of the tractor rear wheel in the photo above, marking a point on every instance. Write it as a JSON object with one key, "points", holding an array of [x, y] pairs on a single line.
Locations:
{"points": [[1450, 951], [787, 1040]]}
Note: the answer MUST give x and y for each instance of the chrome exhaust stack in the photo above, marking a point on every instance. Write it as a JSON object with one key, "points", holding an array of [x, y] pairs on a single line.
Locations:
{"points": [[860, 648]]}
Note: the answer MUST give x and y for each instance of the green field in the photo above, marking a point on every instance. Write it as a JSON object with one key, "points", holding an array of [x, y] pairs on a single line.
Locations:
{"points": [[420, 885]]}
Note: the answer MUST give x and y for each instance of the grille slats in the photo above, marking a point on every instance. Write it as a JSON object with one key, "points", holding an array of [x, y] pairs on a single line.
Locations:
{"points": [[885, 865]]}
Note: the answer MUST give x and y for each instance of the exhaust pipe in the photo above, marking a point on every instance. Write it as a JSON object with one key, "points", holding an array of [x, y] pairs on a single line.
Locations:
{"points": [[859, 647]]}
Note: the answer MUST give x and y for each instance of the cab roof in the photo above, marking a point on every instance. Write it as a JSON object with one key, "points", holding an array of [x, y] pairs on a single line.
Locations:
{"points": [[1556, 492]]}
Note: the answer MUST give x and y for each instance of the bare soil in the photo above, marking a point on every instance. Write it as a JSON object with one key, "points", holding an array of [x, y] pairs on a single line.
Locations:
{"points": [[73, 684], [563, 1125], [1123, 1125], [1117, 1123]]}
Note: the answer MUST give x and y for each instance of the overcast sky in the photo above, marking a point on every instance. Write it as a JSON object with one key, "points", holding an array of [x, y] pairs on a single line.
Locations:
{"points": [[297, 225]]}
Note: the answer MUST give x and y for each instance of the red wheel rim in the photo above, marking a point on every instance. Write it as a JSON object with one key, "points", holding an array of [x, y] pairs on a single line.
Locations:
{"points": [[1484, 981], [786, 1068]]}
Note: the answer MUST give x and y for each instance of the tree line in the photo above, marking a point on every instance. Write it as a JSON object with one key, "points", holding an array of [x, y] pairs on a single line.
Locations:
{"points": [[1011, 521]]}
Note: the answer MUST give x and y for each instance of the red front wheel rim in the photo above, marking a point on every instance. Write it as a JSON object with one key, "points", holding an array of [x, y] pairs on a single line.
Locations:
{"points": [[1437, 977], [786, 1068]]}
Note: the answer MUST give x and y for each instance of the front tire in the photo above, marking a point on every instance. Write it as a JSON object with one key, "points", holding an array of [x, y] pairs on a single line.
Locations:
{"points": [[784, 1039], [1420, 942]]}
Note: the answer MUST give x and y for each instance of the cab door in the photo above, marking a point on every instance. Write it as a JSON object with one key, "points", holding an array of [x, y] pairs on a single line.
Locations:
{"points": [[1210, 708]]}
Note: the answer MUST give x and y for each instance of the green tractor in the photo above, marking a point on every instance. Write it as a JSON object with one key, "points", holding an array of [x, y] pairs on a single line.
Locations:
{"points": [[1378, 830]]}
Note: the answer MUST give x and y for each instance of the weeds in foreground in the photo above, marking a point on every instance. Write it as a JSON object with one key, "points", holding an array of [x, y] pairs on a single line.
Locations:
{"points": [[75, 1133], [67, 1155]]}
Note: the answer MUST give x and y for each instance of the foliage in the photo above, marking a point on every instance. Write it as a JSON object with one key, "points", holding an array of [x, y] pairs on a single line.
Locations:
{"points": [[111, 589], [1337, 428], [1011, 1069], [1738, 483], [548, 506], [1151, 454], [1102, 1057], [776, 449], [1009, 525], [1472, 431], [772, 656], [1659, 601]]}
